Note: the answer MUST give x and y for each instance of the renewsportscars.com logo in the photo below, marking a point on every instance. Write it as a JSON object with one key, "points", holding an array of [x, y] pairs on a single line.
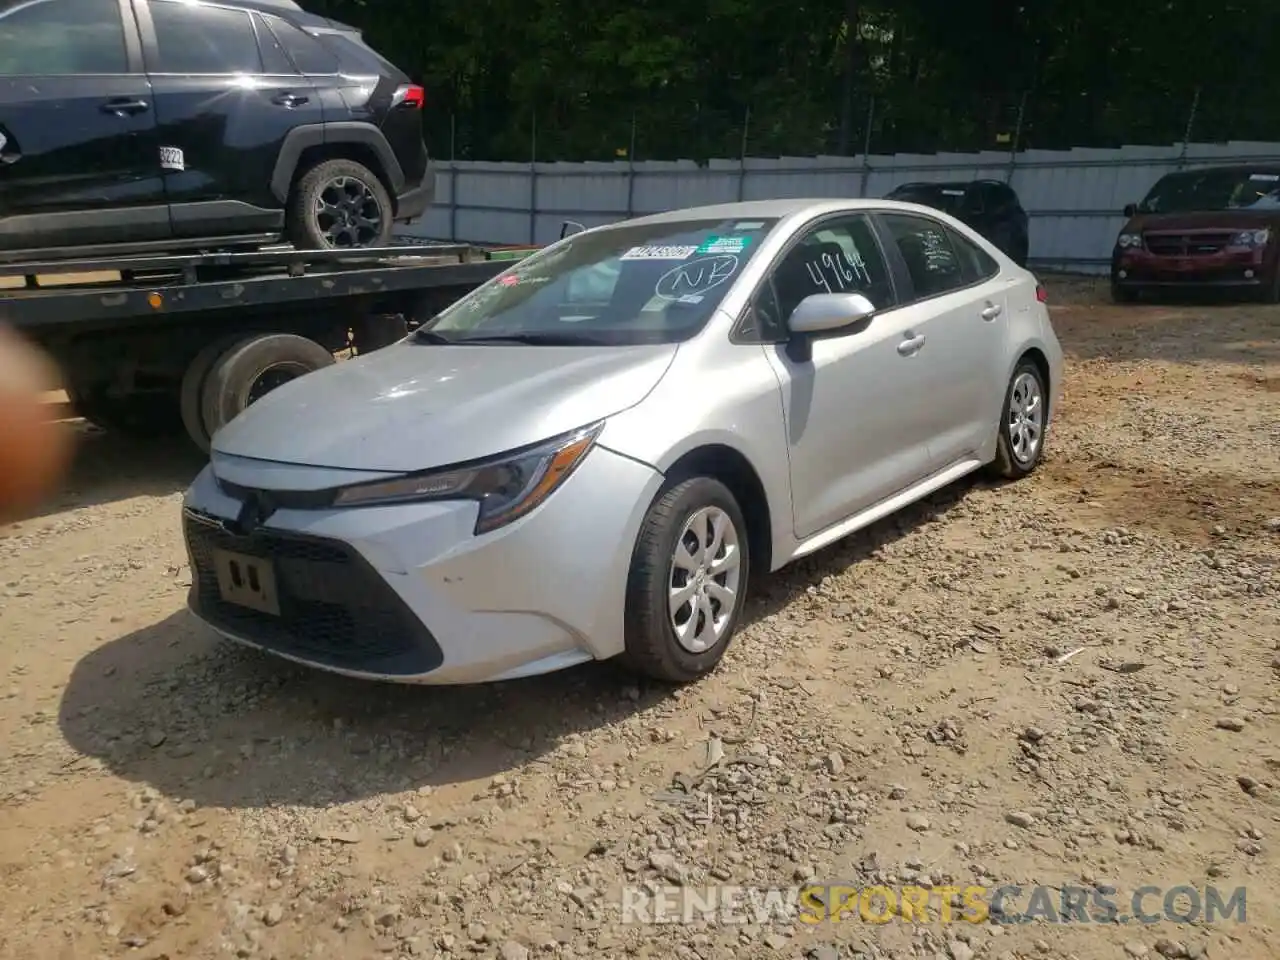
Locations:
{"points": [[1010, 904]]}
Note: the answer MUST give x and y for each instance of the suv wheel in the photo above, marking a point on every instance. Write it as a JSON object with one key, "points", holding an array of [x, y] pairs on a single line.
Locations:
{"points": [[339, 204]]}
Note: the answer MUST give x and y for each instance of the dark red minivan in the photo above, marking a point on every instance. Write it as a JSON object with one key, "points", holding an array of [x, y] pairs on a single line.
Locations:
{"points": [[1212, 227]]}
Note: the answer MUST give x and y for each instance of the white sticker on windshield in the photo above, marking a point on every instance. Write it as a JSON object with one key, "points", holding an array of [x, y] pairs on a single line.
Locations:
{"points": [[690, 298], [952, 193], [1265, 177], [749, 225], [659, 253]]}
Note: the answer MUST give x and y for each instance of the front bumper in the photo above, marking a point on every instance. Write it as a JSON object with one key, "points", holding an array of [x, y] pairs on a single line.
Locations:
{"points": [[1140, 269], [414, 202], [407, 593]]}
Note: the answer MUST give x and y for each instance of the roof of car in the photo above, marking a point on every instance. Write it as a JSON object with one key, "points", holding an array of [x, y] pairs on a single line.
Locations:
{"points": [[293, 10], [950, 184], [768, 209]]}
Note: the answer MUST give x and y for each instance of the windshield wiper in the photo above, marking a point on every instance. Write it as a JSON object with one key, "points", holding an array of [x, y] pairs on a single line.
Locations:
{"points": [[545, 339], [423, 335]]}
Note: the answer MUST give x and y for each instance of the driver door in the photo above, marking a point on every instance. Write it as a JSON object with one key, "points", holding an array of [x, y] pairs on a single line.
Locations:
{"points": [[856, 430]]}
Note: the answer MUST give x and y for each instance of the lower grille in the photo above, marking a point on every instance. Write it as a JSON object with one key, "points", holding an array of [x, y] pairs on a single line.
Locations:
{"points": [[335, 609]]}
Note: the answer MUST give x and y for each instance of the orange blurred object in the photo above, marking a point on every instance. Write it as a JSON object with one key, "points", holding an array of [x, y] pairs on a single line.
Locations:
{"points": [[33, 450]]}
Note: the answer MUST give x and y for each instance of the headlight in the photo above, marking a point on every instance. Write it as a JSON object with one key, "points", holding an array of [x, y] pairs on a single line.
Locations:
{"points": [[507, 486], [1129, 240], [1251, 238]]}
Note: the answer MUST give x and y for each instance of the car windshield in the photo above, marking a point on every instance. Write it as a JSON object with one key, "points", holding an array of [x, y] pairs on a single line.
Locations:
{"points": [[1201, 190], [941, 196], [623, 285]]}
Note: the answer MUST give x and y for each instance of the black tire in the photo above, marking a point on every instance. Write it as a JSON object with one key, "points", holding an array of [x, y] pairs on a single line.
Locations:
{"points": [[149, 415], [1121, 294], [1009, 464], [233, 382], [1271, 291], [352, 185], [192, 397], [652, 647]]}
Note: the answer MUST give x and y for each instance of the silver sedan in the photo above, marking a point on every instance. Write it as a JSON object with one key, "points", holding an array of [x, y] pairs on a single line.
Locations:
{"points": [[586, 457]]}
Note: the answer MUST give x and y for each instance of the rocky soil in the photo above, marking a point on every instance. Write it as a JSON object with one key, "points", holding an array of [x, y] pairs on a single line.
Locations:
{"points": [[1068, 681]]}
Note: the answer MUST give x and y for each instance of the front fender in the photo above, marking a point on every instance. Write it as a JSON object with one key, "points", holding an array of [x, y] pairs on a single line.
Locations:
{"points": [[730, 400]]}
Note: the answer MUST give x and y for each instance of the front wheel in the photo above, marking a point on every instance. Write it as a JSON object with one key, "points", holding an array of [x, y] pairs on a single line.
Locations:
{"points": [[1024, 422], [1121, 294], [688, 582], [339, 204]]}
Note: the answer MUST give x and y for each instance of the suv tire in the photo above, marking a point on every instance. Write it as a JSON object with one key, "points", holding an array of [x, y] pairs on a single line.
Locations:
{"points": [[339, 204]]}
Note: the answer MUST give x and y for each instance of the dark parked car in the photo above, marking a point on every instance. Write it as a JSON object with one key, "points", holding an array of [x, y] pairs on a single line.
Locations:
{"points": [[128, 125], [1212, 227], [991, 207]]}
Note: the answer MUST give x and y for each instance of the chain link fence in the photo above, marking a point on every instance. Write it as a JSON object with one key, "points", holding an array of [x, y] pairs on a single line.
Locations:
{"points": [[876, 124]]}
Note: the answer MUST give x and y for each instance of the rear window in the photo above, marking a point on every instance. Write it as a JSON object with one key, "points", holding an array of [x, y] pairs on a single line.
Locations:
{"points": [[633, 284], [358, 57], [308, 54]]}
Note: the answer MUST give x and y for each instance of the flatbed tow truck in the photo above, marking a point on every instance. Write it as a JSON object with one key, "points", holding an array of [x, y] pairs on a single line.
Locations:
{"points": [[151, 346]]}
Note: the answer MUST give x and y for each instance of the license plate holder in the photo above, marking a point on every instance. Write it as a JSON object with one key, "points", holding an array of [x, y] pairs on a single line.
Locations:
{"points": [[247, 581]]}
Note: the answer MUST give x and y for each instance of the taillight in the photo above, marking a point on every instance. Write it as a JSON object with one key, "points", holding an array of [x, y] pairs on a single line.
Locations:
{"points": [[410, 95], [1041, 293]]}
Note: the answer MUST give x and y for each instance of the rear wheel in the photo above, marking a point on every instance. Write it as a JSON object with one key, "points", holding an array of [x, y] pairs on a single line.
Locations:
{"points": [[251, 369], [339, 204], [1024, 422], [688, 582]]}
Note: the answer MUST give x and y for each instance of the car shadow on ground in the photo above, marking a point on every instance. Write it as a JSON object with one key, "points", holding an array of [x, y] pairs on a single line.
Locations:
{"points": [[173, 707], [108, 467]]}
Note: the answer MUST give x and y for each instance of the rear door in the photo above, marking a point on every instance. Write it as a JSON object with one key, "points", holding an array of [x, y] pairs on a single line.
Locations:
{"points": [[959, 297], [79, 158], [226, 98]]}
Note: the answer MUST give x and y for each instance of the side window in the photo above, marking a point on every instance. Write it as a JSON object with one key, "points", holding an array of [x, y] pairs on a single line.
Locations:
{"points": [[198, 39], [839, 257], [59, 38], [763, 321], [975, 262], [275, 61], [306, 52], [927, 250]]}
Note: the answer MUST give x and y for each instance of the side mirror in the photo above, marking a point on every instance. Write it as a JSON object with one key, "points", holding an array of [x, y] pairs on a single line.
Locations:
{"points": [[1130, 210], [827, 312]]}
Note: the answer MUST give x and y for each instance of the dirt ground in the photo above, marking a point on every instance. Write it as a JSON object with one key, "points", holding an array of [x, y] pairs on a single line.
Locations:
{"points": [[1066, 682]]}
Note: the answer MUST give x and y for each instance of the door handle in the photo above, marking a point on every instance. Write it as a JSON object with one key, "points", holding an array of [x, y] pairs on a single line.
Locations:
{"points": [[991, 311], [124, 106], [911, 345], [289, 99]]}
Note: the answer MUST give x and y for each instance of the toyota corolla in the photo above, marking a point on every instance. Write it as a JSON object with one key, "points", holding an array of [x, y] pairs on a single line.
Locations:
{"points": [[589, 456]]}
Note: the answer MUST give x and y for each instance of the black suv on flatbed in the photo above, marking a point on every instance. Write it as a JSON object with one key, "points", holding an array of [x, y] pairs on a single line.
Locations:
{"points": [[136, 125], [991, 207]]}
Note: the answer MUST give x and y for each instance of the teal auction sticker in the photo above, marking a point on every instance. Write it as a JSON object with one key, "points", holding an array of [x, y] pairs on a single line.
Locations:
{"points": [[724, 245]]}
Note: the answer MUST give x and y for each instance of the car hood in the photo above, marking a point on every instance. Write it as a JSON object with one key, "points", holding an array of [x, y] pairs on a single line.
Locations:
{"points": [[417, 406], [1203, 220]]}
